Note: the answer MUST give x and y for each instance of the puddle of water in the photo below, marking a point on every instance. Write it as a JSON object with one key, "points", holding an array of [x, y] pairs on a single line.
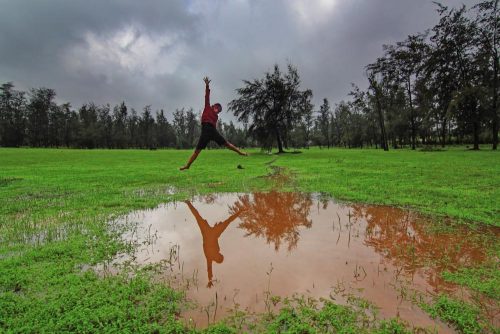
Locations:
{"points": [[232, 249]]}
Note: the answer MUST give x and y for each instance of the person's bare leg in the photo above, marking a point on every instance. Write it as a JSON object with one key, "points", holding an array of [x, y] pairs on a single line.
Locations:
{"points": [[235, 149], [191, 159]]}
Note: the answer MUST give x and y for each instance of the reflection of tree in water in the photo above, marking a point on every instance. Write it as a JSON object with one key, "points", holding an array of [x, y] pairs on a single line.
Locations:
{"points": [[275, 215], [407, 241]]}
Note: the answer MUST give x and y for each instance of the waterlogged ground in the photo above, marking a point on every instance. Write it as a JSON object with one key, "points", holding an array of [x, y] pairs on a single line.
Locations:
{"points": [[240, 251]]}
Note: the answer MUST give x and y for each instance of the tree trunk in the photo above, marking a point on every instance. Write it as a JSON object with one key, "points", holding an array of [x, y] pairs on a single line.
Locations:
{"points": [[443, 132], [412, 117], [476, 135], [280, 143], [494, 123], [381, 122]]}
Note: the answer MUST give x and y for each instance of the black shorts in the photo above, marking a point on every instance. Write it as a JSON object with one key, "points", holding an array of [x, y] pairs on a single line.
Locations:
{"points": [[208, 133]]}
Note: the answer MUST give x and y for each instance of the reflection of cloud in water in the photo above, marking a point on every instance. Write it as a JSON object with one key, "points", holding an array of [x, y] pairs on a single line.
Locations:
{"points": [[275, 216]]}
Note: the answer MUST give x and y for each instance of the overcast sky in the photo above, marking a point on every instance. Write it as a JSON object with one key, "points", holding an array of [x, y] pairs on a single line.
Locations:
{"points": [[156, 52]]}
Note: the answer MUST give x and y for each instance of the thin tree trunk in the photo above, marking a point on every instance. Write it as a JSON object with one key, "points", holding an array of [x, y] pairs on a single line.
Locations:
{"points": [[494, 123], [443, 132], [280, 143], [381, 121], [476, 135], [412, 117]]}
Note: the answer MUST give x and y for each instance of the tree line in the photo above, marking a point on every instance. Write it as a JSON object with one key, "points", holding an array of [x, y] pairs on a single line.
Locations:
{"points": [[439, 87], [35, 119], [434, 88]]}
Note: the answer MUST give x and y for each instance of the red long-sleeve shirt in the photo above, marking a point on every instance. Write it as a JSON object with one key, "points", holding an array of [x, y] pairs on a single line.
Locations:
{"points": [[209, 115]]}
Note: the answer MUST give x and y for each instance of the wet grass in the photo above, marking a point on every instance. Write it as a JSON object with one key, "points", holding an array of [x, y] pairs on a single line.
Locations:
{"points": [[54, 205], [463, 316]]}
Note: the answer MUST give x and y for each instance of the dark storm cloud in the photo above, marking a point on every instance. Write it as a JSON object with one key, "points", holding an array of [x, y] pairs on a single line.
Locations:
{"points": [[156, 52]]}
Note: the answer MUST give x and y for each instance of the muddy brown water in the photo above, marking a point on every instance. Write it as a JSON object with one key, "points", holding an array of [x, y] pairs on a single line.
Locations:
{"points": [[230, 251]]}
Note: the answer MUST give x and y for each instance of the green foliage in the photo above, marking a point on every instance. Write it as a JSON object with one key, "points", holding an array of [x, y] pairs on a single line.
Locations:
{"points": [[219, 329], [298, 317], [484, 279], [392, 326], [464, 317]]}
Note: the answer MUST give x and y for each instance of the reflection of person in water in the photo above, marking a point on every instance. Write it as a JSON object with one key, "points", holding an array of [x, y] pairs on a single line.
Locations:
{"points": [[211, 238]]}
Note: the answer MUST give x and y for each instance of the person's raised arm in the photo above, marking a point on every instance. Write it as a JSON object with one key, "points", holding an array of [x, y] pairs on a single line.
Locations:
{"points": [[221, 226], [207, 91], [199, 219]]}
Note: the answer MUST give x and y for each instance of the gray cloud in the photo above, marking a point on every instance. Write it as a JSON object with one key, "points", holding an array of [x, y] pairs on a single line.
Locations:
{"points": [[156, 52]]}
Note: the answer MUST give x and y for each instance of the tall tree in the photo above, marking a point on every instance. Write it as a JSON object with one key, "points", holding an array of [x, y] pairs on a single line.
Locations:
{"points": [[451, 62], [271, 106], [119, 129], [87, 137], [165, 133], [487, 23], [41, 101], [323, 122], [57, 124], [146, 129], [12, 115], [405, 63], [377, 94]]}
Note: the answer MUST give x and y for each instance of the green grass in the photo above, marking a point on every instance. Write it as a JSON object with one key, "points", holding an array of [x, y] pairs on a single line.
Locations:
{"points": [[54, 205], [462, 316]]}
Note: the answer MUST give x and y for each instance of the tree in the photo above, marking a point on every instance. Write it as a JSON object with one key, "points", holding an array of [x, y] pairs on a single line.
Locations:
{"points": [[377, 93], [104, 127], [323, 122], [12, 115], [133, 129], [40, 103], [119, 129], [87, 137], [57, 124], [165, 133], [451, 61], [187, 127], [487, 36], [271, 106], [146, 129], [71, 126], [406, 61]]}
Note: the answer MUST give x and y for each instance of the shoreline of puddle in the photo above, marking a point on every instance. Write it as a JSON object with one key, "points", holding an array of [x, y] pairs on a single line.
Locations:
{"points": [[229, 250]]}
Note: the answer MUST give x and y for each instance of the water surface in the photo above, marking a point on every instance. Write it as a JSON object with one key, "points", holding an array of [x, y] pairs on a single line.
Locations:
{"points": [[234, 250]]}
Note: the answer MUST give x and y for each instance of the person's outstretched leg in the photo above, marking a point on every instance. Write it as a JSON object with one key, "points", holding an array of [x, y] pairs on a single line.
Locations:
{"points": [[235, 149], [191, 159]]}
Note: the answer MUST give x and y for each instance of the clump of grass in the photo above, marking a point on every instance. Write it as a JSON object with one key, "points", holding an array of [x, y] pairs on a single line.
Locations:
{"points": [[5, 181], [461, 315], [484, 280], [331, 318], [430, 148]]}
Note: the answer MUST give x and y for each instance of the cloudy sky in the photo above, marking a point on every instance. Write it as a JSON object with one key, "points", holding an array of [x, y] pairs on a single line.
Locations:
{"points": [[156, 52]]}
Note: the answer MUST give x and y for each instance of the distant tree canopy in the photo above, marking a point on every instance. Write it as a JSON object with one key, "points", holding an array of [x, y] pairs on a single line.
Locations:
{"points": [[440, 87], [35, 120]]}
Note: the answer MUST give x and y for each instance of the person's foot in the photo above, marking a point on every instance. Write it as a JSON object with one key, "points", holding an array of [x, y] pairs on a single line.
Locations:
{"points": [[185, 167], [244, 154]]}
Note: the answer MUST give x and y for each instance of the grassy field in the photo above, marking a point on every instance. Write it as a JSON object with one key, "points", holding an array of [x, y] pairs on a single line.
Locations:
{"points": [[54, 205]]}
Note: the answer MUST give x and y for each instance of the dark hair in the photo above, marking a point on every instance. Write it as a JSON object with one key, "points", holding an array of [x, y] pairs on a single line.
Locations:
{"points": [[218, 105]]}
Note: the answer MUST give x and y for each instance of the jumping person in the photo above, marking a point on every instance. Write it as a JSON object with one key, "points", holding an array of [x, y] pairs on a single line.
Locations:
{"points": [[211, 238], [209, 128]]}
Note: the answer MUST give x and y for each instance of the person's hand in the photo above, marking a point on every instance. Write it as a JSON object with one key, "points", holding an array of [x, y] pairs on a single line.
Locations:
{"points": [[207, 80]]}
